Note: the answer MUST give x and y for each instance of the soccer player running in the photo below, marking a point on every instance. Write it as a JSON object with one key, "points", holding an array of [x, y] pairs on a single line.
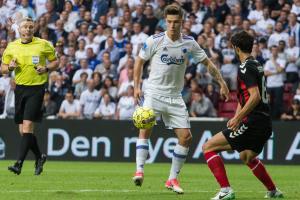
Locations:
{"points": [[168, 53], [27, 58], [250, 128]]}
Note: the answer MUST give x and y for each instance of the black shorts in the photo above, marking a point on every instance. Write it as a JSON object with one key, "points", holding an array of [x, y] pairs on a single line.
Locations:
{"points": [[28, 103], [252, 135]]}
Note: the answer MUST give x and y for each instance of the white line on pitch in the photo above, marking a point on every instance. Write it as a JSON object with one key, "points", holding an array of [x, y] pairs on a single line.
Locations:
{"points": [[116, 191]]}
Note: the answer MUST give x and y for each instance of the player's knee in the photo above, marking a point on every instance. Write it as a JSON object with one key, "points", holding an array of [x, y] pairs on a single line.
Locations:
{"points": [[246, 158], [186, 139], [243, 158], [27, 126], [206, 147]]}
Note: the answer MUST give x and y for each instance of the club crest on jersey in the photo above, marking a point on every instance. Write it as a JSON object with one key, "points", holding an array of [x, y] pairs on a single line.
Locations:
{"points": [[184, 50], [169, 60], [35, 60], [144, 46]]}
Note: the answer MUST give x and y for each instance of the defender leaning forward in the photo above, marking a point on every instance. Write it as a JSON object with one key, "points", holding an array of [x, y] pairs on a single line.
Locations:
{"points": [[27, 58], [168, 52], [250, 128]]}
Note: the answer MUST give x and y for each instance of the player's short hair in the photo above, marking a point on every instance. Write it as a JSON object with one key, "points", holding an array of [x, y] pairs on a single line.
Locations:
{"points": [[243, 40], [173, 10], [25, 19]]}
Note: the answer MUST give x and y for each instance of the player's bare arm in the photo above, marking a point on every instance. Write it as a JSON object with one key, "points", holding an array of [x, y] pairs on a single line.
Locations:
{"points": [[224, 91], [253, 101], [138, 67]]}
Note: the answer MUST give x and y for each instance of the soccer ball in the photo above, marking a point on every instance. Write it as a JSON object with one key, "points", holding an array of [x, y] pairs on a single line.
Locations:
{"points": [[143, 118]]}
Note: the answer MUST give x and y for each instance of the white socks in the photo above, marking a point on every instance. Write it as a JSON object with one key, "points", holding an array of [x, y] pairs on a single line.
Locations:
{"points": [[179, 157], [142, 150]]}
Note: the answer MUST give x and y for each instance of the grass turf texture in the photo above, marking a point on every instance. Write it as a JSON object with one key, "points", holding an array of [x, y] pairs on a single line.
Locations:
{"points": [[99, 180]]}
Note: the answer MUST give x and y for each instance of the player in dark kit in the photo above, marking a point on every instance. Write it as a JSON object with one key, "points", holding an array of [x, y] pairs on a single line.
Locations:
{"points": [[251, 126]]}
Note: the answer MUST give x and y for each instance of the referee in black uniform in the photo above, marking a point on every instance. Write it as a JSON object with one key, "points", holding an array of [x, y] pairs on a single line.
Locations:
{"points": [[27, 57]]}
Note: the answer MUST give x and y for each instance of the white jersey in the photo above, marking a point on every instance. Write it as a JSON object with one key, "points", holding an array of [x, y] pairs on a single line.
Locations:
{"points": [[90, 101], [168, 62]]}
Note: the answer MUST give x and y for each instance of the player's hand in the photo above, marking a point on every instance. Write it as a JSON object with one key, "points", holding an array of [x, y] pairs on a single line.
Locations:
{"points": [[13, 64], [224, 91], [40, 69], [234, 123], [138, 95]]}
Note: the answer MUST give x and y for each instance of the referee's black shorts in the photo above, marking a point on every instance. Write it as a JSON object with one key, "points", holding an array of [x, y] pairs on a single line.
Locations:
{"points": [[28, 103], [252, 135]]}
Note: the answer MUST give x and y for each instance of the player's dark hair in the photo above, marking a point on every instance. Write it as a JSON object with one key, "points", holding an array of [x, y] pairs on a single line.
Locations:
{"points": [[173, 10], [243, 40]]}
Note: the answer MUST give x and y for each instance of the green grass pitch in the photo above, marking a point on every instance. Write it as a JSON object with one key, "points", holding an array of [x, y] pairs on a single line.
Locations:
{"points": [[99, 180]]}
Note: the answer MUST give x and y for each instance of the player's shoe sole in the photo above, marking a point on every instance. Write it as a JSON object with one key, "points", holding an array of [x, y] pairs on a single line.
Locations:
{"points": [[138, 179]]}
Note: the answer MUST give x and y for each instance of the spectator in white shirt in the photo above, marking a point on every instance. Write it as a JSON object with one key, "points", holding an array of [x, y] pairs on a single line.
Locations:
{"points": [[256, 14], [292, 70], [138, 38], [262, 24], [89, 100], [100, 37], [106, 109], [294, 27], [84, 68], [126, 105], [278, 35], [9, 102], [274, 71], [123, 60], [80, 53], [124, 86], [296, 8], [70, 107]]}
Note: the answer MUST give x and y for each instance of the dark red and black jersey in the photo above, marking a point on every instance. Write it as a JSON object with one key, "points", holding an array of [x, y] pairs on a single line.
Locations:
{"points": [[251, 74]]}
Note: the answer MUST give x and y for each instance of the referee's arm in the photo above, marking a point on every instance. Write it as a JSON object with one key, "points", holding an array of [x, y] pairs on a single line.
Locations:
{"points": [[53, 65], [4, 68]]}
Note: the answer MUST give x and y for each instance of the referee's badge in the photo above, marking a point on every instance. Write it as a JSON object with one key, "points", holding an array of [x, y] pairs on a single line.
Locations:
{"points": [[35, 60]]}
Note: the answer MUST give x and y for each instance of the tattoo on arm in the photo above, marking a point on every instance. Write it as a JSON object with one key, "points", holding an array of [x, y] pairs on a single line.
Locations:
{"points": [[213, 70]]}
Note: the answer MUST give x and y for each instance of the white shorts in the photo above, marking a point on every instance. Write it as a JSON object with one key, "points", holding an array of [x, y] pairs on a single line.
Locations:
{"points": [[172, 110]]}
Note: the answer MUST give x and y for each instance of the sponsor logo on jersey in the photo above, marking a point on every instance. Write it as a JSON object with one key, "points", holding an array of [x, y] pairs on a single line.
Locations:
{"points": [[169, 60]]}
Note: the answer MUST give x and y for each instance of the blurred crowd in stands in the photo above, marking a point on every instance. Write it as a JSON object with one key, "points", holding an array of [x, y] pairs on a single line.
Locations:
{"points": [[97, 42]]}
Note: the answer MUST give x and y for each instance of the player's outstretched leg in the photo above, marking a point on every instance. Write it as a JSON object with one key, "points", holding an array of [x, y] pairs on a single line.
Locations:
{"points": [[179, 156], [215, 163], [142, 151], [261, 174]]}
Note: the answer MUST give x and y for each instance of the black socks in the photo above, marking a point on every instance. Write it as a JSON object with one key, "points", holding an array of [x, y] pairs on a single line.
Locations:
{"points": [[35, 148], [28, 141]]}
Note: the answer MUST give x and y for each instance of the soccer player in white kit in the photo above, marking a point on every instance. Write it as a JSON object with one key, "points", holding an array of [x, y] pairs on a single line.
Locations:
{"points": [[168, 54]]}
